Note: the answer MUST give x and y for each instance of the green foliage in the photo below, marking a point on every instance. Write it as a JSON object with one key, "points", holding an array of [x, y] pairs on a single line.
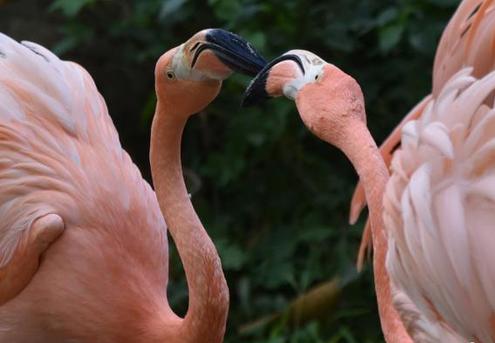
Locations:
{"points": [[273, 197], [70, 8]]}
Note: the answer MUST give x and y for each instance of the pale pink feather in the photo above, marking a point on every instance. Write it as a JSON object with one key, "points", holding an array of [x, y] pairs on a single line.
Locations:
{"points": [[437, 204], [440, 236], [467, 41], [60, 153]]}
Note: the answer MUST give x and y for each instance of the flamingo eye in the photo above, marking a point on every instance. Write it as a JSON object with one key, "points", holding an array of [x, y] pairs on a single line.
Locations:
{"points": [[170, 75]]}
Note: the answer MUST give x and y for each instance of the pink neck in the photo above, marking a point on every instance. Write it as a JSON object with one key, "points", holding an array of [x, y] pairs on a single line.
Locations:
{"points": [[356, 142], [208, 292]]}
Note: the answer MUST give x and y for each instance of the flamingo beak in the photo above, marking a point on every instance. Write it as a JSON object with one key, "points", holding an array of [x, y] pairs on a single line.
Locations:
{"points": [[233, 50], [256, 92]]}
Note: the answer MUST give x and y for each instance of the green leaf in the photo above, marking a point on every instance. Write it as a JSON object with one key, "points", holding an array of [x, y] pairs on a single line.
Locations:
{"points": [[316, 234], [171, 7], [233, 257], [70, 8], [390, 36], [387, 16], [228, 10]]}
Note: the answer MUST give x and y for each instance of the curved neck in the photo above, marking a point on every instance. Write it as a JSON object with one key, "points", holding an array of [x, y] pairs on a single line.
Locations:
{"points": [[208, 293], [355, 140]]}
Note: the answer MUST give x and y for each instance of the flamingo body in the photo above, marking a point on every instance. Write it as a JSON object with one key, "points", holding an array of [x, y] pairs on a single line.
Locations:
{"points": [[438, 209], [83, 241], [61, 156], [446, 246], [467, 41]]}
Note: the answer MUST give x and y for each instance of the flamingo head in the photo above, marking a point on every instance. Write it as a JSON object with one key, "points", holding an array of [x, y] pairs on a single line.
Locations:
{"points": [[325, 96], [198, 67]]}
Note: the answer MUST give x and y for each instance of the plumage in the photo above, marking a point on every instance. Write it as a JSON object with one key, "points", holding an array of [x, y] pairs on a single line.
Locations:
{"points": [[53, 143], [83, 242], [60, 153], [447, 211], [438, 245], [467, 41]]}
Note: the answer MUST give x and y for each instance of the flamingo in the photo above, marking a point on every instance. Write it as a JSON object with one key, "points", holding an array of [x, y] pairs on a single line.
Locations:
{"points": [[466, 41], [331, 105], [83, 239], [431, 220]]}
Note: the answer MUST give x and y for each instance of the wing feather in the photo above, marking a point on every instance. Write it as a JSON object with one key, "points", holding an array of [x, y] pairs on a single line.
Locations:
{"points": [[467, 41], [441, 235], [59, 149]]}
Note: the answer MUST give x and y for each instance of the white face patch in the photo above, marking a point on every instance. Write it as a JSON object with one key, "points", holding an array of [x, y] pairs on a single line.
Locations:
{"points": [[181, 67], [313, 67]]}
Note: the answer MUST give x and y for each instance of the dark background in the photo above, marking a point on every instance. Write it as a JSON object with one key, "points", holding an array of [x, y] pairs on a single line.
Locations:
{"points": [[273, 197]]}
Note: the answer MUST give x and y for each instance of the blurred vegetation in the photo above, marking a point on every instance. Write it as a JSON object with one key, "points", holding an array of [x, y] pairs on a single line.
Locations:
{"points": [[273, 197]]}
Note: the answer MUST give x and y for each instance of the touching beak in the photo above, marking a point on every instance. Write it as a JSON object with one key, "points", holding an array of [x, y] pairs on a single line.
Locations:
{"points": [[256, 91], [234, 51]]}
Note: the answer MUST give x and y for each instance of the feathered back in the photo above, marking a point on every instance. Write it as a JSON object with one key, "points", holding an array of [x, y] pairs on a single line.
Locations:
{"points": [[59, 150], [439, 208], [433, 256], [467, 41]]}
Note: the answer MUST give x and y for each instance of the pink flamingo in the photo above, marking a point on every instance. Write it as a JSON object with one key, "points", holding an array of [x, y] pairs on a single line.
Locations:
{"points": [[431, 221], [331, 105], [83, 243], [466, 41]]}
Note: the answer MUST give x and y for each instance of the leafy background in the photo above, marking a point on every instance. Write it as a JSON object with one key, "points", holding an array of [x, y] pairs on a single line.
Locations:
{"points": [[273, 197]]}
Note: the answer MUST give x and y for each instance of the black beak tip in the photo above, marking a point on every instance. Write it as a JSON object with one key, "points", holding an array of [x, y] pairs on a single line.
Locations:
{"points": [[235, 52], [248, 100], [256, 91]]}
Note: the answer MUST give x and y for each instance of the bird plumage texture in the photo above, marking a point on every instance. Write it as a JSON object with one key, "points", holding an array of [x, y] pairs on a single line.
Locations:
{"points": [[60, 153], [467, 41], [438, 205], [439, 208], [59, 150], [84, 230]]}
